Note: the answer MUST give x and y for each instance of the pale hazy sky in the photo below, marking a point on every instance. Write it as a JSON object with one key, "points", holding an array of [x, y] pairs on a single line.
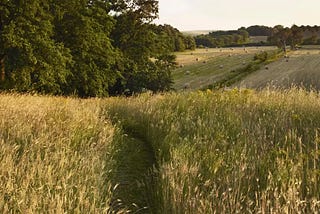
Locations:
{"points": [[232, 14]]}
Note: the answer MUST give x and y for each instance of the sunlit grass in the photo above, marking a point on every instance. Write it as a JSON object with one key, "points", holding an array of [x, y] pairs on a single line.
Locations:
{"points": [[54, 155], [237, 151], [229, 152]]}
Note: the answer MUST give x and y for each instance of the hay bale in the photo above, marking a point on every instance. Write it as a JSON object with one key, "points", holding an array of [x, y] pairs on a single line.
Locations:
{"points": [[221, 66], [187, 73]]}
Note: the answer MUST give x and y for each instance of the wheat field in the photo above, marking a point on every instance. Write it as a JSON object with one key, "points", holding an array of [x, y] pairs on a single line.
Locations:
{"points": [[54, 155], [237, 151]]}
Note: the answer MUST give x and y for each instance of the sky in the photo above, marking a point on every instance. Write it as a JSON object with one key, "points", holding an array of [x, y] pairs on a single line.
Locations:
{"points": [[232, 14]]}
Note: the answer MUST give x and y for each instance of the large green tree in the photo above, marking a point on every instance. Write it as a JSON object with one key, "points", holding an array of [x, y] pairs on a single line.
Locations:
{"points": [[144, 63], [30, 59], [83, 47], [280, 37], [296, 37], [84, 27]]}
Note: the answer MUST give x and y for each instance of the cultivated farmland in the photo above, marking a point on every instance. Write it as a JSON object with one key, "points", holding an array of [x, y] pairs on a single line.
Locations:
{"points": [[302, 69], [203, 67]]}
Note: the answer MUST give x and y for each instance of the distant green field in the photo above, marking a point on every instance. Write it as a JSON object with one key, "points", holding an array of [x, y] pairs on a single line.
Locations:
{"points": [[257, 39], [196, 32], [202, 67]]}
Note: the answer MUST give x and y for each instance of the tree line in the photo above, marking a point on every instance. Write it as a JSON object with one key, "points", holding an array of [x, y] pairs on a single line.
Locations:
{"points": [[86, 47], [277, 35], [222, 38]]}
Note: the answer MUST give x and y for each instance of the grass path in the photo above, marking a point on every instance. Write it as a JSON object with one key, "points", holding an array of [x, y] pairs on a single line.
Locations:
{"points": [[134, 175]]}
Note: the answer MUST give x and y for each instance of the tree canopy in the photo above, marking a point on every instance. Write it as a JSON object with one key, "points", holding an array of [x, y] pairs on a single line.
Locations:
{"points": [[83, 47], [223, 38]]}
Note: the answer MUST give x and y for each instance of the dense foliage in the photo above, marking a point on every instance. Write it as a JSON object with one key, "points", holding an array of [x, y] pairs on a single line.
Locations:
{"points": [[294, 36], [258, 30], [223, 38], [86, 48]]}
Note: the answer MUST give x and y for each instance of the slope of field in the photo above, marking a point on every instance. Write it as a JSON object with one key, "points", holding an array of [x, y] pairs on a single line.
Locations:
{"points": [[230, 152], [301, 69], [191, 152], [202, 67]]}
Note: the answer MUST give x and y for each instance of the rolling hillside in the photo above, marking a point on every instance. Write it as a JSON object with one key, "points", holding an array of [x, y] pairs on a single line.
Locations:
{"points": [[302, 68], [202, 67]]}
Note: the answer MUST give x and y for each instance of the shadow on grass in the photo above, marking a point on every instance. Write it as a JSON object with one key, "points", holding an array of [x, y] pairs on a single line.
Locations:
{"points": [[134, 176]]}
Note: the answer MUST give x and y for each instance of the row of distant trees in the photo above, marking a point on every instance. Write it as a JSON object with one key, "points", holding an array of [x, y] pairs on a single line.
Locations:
{"points": [[86, 48], [277, 35], [222, 38], [294, 36]]}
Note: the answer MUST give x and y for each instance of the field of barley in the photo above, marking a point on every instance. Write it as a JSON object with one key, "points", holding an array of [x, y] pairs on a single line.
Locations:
{"points": [[54, 155], [229, 152]]}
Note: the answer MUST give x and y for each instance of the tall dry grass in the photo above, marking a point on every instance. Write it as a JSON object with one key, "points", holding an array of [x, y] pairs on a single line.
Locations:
{"points": [[54, 155], [230, 152]]}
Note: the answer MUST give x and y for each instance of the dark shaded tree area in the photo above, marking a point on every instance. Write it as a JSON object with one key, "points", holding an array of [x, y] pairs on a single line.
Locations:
{"points": [[258, 30], [175, 40], [222, 38], [83, 47], [277, 35]]}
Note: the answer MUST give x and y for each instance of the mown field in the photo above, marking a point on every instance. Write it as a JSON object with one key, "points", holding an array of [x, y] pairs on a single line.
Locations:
{"points": [[206, 67], [202, 67], [302, 69]]}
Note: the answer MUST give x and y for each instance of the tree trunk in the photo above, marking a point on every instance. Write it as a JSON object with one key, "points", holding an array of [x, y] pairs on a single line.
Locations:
{"points": [[285, 47], [2, 69]]}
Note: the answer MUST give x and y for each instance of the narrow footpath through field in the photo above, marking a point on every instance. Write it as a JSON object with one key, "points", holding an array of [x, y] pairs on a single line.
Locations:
{"points": [[134, 175]]}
